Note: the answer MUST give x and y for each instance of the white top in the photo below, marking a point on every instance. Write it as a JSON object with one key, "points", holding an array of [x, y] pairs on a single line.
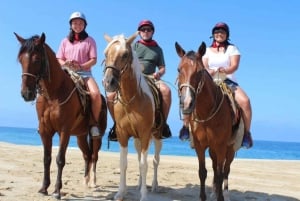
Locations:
{"points": [[221, 59]]}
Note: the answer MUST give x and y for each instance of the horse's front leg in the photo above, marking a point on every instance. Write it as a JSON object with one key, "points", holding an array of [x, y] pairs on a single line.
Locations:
{"points": [[156, 159], [202, 172], [61, 161], [47, 144], [143, 171], [123, 167], [137, 145]]}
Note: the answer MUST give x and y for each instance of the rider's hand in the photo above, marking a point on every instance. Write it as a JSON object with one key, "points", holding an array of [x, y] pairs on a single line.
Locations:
{"points": [[156, 75]]}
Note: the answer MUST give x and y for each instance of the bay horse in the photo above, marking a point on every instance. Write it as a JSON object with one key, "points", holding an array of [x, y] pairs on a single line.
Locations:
{"points": [[133, 109], [59, 110], [211, 119]]}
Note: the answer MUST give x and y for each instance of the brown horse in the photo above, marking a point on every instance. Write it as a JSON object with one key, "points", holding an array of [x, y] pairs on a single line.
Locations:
{"points": [[133, 108], [59, 110], [211, 118]]}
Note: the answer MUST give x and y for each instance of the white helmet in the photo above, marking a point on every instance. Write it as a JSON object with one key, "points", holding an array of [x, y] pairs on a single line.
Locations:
{"points": [[77, 15]]}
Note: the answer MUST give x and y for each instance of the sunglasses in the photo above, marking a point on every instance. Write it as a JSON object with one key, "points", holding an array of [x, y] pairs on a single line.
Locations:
{"points": [[221, 31], [146, 30]]}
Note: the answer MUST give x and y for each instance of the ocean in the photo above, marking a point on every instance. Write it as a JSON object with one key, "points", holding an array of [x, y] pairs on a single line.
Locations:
{"points": [[172, 146]]}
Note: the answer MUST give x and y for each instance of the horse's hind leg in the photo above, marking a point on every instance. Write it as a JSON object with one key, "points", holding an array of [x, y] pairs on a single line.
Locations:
{"points": [[229, 159], [156, 159], [96, 143], [83, 145]]}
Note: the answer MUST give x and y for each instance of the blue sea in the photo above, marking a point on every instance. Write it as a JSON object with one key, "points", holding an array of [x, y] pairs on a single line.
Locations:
{"points": [[171, 146]]}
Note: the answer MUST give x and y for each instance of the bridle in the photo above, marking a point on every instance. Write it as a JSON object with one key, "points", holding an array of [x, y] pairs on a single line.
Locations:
{"points": [[197, 91], [45, 73], [120, 72]]}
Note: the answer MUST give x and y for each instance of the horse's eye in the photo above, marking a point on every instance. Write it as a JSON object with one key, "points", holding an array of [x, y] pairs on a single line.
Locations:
{"points": [[178, 69], [125, 55]]}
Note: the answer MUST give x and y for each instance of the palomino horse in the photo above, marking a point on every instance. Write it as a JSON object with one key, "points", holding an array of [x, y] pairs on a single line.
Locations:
{"points": [[210, 116], [133, 109], [59, 110]]}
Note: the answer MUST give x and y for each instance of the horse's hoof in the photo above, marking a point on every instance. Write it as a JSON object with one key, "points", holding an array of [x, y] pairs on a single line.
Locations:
{"points": [[56, 196], [44, 192]]}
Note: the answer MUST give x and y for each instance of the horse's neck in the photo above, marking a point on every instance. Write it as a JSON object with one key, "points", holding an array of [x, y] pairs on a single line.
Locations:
{"points": [[209, 95], [129, 84], [57, 79]]}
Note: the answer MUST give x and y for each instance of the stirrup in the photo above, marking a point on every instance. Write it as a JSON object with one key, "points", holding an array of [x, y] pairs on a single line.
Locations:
{"points": [[166, 133], [247, 140], [184, 133], [112, 135]]}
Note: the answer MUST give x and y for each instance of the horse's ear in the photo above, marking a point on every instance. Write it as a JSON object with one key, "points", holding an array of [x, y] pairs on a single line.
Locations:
{"points": [[202, 49], [43, 38], [107, 38], [131, 38], [20, 39], [180, 51]]}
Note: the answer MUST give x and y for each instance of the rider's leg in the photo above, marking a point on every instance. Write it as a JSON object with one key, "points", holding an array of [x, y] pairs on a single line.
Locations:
{"points": [[244, 102], [96, 102], [167, 99]]}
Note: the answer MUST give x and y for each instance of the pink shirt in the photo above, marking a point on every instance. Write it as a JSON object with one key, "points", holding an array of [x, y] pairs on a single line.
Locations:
{"points": [[80, 51]]}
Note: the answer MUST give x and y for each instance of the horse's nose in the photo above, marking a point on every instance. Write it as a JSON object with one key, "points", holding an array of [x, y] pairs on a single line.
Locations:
{"points": [[28, 95]]}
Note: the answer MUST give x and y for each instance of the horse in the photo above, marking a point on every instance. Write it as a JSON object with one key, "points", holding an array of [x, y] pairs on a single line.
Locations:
{"points": [[211, 119], [59, 110], [133, 109]]}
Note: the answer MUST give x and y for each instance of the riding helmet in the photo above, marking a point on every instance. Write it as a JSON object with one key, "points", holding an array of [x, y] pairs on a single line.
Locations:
{"points": [[144, 23], [77, 15], [221, 25]]}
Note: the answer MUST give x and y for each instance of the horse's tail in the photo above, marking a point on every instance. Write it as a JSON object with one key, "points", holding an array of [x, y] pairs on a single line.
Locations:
{"points": [[103, 116]]}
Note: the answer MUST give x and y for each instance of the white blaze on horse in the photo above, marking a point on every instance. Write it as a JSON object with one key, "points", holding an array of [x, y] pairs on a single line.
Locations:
{"points": [[133, 109]]}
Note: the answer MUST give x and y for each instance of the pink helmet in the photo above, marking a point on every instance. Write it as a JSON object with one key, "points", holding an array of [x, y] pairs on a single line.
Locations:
{"points": [[144, 23]]}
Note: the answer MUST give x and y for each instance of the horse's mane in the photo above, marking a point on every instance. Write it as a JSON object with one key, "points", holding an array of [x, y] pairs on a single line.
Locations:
{"points": [[135, 65], [191, 54], [28, 45]]}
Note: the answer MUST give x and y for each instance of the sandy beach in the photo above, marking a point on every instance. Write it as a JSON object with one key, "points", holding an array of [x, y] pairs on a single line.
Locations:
{"points": [[21, 172]]}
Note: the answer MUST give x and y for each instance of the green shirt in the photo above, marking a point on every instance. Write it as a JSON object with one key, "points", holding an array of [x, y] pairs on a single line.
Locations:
{"points": [[149, 56]]}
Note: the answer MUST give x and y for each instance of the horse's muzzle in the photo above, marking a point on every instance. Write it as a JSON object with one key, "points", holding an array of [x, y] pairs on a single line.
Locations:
{"points": [[187, 104], [28, 95], [110, 84]]}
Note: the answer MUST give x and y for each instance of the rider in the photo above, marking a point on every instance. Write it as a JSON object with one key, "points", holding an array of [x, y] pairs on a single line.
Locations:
{"points": [[151, 56], [78, 51], [224, 57]]}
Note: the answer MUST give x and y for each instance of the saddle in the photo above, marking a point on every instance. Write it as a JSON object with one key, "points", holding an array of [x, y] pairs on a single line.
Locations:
{"points": [[160, 121], [236, 111], [81, 89]]}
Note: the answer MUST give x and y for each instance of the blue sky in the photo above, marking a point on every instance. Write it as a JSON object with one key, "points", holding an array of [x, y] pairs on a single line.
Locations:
{"points": [[266, 32]]}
